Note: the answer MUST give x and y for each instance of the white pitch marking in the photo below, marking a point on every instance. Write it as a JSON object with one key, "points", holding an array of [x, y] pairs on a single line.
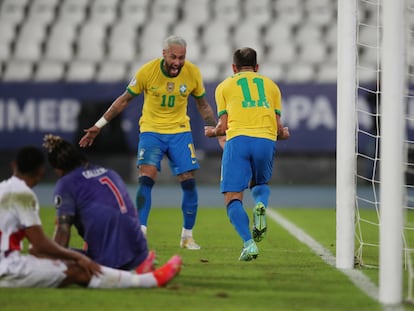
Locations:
{"points": [[356, 276]]}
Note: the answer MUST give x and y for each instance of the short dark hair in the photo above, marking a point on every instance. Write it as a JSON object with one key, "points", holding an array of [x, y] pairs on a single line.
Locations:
{"points": [[245, 57], [29, 159]]}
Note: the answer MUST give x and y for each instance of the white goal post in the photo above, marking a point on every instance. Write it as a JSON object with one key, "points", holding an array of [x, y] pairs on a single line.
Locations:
{"points": [[346, 132], [392, 152], [393, 69]]}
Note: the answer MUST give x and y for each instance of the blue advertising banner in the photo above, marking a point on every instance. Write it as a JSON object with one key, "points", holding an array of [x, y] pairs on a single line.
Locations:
{"points": [[28, 111]]}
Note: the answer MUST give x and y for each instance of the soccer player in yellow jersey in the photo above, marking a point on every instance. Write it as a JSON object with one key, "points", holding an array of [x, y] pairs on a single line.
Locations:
{"points": [[249, 108], [167, 83]]}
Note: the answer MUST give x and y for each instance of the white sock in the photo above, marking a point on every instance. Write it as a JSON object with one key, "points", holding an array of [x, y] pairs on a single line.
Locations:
{"points": [[113, 278], [144, 229], [147, 280], [186, 232]]}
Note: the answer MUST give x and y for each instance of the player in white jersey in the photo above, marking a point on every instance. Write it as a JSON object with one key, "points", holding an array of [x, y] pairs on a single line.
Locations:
{"points": [[50, 265]]}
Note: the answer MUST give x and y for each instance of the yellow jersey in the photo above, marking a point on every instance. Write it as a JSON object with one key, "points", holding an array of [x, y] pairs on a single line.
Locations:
{"points": [[251, 102], [166, 98]]}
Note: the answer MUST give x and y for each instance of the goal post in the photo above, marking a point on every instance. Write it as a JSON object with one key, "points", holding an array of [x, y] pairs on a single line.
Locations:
{"points": [[346, 131], [392, 152], [388, 21]]}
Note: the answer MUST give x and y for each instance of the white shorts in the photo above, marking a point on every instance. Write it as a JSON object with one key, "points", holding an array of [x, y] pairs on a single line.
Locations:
{"points": [[18, 270]]}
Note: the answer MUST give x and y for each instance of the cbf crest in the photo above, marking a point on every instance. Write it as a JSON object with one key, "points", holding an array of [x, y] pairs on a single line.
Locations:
{"points": [[183, 89], [170, 87]]}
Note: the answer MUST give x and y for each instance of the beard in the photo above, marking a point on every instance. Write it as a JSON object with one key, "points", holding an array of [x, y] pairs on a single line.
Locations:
{"points": [[173, 70]]}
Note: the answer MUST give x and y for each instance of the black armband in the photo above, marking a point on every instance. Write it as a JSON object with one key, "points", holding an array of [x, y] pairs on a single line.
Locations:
{"points": [[65, 219]]}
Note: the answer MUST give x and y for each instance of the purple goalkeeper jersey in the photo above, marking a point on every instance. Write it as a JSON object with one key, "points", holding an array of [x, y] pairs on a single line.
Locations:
{"points": [[104, 215]]}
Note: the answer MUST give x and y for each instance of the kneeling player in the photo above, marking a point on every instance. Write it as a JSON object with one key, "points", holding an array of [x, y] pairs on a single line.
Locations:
{"points": [[96, 201], [57, 266]]}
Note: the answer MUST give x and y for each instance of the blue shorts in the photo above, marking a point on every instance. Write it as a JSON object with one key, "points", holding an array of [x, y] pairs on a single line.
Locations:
{"points": [[178, 148], [244, 159]]}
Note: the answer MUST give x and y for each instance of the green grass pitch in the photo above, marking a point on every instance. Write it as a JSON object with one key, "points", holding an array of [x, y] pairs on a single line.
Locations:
{"points": [[286, 275]]}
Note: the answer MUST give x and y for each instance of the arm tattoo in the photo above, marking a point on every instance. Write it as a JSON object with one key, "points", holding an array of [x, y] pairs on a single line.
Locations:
{"points": [[206, 112], [118, 106]]}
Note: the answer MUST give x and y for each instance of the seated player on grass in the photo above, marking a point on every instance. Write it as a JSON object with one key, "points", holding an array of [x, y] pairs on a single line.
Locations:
{"points": [[51, 265], [96, 201]]}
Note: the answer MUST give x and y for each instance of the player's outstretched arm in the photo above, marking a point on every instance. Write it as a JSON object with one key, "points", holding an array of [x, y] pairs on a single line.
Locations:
{"points": [[116, 108], [89, 137]]}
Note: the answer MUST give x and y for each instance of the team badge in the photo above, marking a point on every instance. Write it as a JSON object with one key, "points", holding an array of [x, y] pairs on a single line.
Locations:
{"points": [[141, 154], [57, 200], [133, 82], [170, 87], [183, 89]]}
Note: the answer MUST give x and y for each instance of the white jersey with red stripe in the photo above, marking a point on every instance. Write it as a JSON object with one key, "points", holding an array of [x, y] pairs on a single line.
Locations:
{"points": [[19, 209]]}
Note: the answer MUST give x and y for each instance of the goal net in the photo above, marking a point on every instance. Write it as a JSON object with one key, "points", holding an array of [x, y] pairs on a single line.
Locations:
{"points": [[370, 118]]}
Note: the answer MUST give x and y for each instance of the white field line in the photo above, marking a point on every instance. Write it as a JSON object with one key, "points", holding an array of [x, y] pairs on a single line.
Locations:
{"points": [[356, 276]]}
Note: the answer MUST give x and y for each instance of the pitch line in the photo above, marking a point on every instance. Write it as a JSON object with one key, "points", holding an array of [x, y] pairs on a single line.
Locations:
{"points": [[355, 276]]}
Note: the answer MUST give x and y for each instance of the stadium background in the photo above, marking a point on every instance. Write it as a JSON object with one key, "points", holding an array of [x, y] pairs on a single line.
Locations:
{"points": [[62, 62]]}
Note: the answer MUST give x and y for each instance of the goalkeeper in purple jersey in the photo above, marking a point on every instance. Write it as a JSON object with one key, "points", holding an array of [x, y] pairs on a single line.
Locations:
{"points": [[96, 201]]}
